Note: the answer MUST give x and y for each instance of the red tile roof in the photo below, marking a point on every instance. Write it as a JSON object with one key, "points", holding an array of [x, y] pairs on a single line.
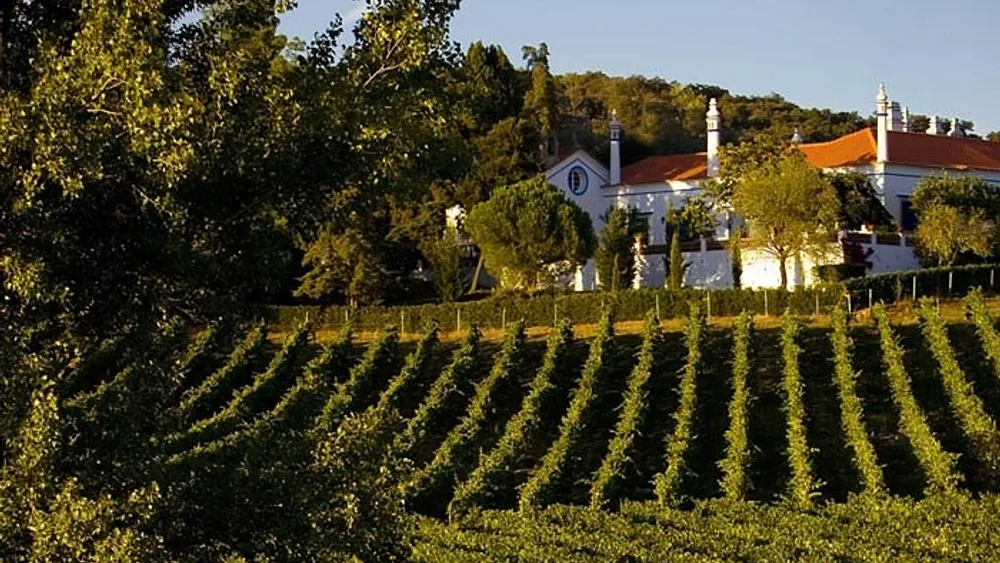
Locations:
{"points": [[656, 169], [937, 151], [858, 148]]}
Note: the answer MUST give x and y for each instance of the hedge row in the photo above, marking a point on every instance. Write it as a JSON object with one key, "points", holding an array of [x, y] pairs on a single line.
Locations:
{"points": [[539, 490], [930, 282], [632, 305], [284, 424], [578, 308], [443, 390], [258, 396], [985, 327], [458, 452]]}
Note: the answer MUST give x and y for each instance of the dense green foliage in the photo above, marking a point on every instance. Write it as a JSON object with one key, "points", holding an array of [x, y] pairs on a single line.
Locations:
{"points": [[166, 163], [802, 484], [678, 442], [538, 491], [735, 481], [530, 233], [496, 469], [938, 464], [863, 530], [851, 409], [605, 490], [957, 219]]}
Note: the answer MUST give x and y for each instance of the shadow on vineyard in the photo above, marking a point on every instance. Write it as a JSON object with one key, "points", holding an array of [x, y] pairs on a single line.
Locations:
{"points": [[230, 435]]}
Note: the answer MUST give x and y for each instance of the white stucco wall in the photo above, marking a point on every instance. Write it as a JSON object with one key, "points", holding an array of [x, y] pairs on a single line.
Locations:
{"points": [[592, 199]]}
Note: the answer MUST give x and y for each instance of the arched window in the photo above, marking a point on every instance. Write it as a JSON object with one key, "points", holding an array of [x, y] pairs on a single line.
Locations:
{"points": [[578, 180]]}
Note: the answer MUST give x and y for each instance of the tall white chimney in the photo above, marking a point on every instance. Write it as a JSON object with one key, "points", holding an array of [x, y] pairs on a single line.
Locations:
{"points": [[935, 128], [882, 119], [906, 119], [956, 131], [615, 174], [895, 117], [714, 121]]}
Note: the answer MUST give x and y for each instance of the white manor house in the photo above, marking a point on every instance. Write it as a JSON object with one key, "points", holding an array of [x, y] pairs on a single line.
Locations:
{"points": [[892, 156]]}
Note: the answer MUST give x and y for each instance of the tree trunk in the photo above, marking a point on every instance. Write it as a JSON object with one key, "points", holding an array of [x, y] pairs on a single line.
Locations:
{"points": [[783, 268], [474, 286]]}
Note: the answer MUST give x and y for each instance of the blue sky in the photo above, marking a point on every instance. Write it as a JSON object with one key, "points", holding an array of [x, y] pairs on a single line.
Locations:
{"points": [[936, 56]]}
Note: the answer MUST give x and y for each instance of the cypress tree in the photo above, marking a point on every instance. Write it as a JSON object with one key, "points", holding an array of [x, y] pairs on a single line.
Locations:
{"points": [[737, 262], [677, 265]]}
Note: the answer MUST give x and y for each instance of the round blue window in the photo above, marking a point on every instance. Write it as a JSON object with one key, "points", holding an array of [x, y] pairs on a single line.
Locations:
{"points": [[578, 180]]}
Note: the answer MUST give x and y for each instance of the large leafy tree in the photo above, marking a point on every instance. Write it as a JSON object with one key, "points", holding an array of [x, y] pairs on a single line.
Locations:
{"points": [[378, 135], [945, 233], [530, 233], [957, 219], [790, 207], [859, 203]]}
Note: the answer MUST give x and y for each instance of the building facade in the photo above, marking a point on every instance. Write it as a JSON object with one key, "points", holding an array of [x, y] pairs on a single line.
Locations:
{"points": [[893, 156]]}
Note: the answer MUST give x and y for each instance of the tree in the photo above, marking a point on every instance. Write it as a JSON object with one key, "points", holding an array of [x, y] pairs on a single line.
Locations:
{"points": [[758, 155], [945, 232], [678, 266], [790, 209], [962, 213], [529, 233], [442, 254], [736, 255], [993, 136], [541, 103], [859, 204], [379, 131], [614, 258], [343, 262], [967, 193]]}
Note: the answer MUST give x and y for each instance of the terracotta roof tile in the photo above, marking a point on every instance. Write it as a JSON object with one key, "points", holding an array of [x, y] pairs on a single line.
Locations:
{"points": [[856, 148], [938, 151], [656, 169]]}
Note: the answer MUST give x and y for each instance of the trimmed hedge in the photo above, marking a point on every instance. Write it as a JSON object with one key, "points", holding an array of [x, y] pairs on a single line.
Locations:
{"points": [[578, 308], [931, 282], [633, 305]]}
